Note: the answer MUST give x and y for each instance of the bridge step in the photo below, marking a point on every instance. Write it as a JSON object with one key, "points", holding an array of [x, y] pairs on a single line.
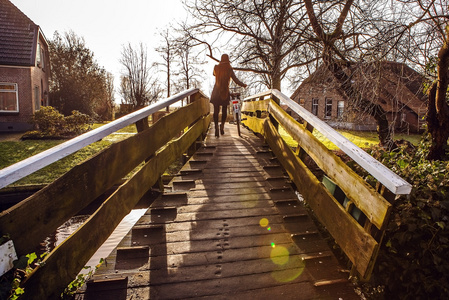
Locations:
{"points": [[238, 231], [131, 257], [183, 185], [106, 289]]}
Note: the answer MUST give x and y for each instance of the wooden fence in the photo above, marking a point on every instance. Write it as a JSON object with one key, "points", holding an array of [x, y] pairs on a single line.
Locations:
{"points": [[35, 218], [353, 212]]}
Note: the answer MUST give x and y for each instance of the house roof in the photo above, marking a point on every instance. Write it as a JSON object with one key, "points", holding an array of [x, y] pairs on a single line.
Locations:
{"points": [[398, 84], [18, 36]]}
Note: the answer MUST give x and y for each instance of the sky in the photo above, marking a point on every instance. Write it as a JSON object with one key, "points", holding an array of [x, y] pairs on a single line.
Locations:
{"points": [[108, 25]]}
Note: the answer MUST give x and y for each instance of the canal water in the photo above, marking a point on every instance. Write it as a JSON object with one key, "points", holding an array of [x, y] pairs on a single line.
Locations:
{"points": [[69, 227], [66, 229]]}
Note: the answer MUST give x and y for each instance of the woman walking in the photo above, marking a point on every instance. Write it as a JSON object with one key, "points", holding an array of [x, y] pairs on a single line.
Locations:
{"points": [[223, 73]]}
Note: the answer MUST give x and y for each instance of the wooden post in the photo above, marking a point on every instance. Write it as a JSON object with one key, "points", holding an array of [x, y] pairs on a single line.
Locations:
{"points": [[300, 151], [386, 193], [272, 119], [142, 124]]}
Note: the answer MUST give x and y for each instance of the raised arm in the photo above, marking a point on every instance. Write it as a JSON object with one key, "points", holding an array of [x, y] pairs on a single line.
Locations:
{"points": [[236, 80]]}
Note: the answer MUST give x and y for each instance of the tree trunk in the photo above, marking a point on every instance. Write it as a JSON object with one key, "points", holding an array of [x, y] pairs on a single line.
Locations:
{"points": [[437, 127], [276, 81], [379, 114], [438, 110]]}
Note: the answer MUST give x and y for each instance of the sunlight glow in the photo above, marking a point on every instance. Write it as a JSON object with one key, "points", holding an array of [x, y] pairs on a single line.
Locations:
{"points": [[279, 255], [263, 222]]}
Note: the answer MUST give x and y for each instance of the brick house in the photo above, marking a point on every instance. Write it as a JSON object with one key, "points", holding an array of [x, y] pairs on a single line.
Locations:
{"points": [[24, 68], [395, 86]]}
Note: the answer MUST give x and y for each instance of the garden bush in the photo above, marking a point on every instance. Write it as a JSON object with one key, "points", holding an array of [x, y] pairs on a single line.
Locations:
{"points": [[412, 262], [50, 123]]}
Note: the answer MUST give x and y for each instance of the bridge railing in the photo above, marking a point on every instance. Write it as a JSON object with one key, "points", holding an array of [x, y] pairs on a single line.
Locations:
{"points": [[353, 212], [156, 147]]}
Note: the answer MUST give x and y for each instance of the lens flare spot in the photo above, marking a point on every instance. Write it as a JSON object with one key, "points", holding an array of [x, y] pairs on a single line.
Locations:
{"points": [[263, 222], [245, 203], [289, 271], [279, 255], [288, 275], [273, 245], [269, 228]]}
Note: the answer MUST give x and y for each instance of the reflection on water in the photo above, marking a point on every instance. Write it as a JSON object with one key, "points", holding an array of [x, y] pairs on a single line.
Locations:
{"points": [[63, 232], [120, 231], [66, 229]]}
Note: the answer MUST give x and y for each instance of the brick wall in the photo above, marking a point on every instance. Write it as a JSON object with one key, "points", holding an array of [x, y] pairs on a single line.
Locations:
{"points": [[27, 79], [21, 76], [321, 92]]}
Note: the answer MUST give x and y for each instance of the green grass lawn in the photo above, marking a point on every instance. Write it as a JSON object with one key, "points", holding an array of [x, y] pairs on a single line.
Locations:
{"points": [[15, 151], [362, 139]]}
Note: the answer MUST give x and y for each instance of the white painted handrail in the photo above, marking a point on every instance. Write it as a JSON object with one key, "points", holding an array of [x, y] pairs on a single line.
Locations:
{"points": [[388, 178], [30, 165]]}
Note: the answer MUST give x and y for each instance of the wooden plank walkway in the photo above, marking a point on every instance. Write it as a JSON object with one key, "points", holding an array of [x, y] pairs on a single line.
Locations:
{"points": [[231, 228]]}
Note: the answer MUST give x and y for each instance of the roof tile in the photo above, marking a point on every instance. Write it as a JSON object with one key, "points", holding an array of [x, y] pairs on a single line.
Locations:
{"points": [[17, 36]]}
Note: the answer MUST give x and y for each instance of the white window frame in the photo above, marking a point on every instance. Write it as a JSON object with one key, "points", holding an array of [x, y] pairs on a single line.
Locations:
{"points": [[328, 108], [315, 106], [40, 57], [340, 108], [16, 91], [37, 98]]}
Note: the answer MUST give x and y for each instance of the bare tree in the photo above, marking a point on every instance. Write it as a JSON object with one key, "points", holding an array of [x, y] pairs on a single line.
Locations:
{"points": [[180, 60], [188, 59], [336, 54], [420, 37], [433, 24], [167, 51], [264, 35], [138, 86]]}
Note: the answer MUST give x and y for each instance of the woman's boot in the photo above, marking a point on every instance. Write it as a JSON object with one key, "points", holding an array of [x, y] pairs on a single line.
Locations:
{"points": [[216, 130]]}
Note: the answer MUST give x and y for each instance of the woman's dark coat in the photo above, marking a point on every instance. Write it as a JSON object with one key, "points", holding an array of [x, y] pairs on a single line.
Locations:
{"points": [[223, 73]]}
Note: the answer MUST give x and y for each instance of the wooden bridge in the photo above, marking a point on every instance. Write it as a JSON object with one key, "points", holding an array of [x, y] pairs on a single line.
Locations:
{"points": [[232, 223]]}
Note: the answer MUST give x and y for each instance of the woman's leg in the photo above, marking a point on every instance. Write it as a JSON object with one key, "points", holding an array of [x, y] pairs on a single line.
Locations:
{"points": [[216, 111], [224, 114]]}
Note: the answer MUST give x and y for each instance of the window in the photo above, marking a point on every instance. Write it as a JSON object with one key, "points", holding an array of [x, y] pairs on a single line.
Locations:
{"points": [[40, 57], [403, 117], [340, 109], [315, 107], [9, 101], [37, 98], [328, 109]]}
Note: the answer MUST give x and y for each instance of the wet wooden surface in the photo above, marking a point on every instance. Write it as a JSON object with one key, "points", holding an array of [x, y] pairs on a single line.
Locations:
{"points": [[231, 227]]}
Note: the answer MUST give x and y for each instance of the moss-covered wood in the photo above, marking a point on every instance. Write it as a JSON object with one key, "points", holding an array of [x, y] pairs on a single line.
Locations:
{"points": [[64, 262], [355, 240], [372, 204], [33, 219], [359, 246]]}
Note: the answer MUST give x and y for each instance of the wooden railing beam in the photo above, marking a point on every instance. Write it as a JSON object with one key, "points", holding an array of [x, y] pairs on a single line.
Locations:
{"points": [[44, 211], [350, 220], [388, 178], [28, 166]]}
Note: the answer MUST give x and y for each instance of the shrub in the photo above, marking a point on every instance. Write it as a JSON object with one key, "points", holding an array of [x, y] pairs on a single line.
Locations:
{"points": [[52, 124], [48, 120], [76, 123], [412, 262]]}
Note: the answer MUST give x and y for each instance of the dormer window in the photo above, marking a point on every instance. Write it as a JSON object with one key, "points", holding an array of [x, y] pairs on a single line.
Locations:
{"points": [[40, 57]]}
